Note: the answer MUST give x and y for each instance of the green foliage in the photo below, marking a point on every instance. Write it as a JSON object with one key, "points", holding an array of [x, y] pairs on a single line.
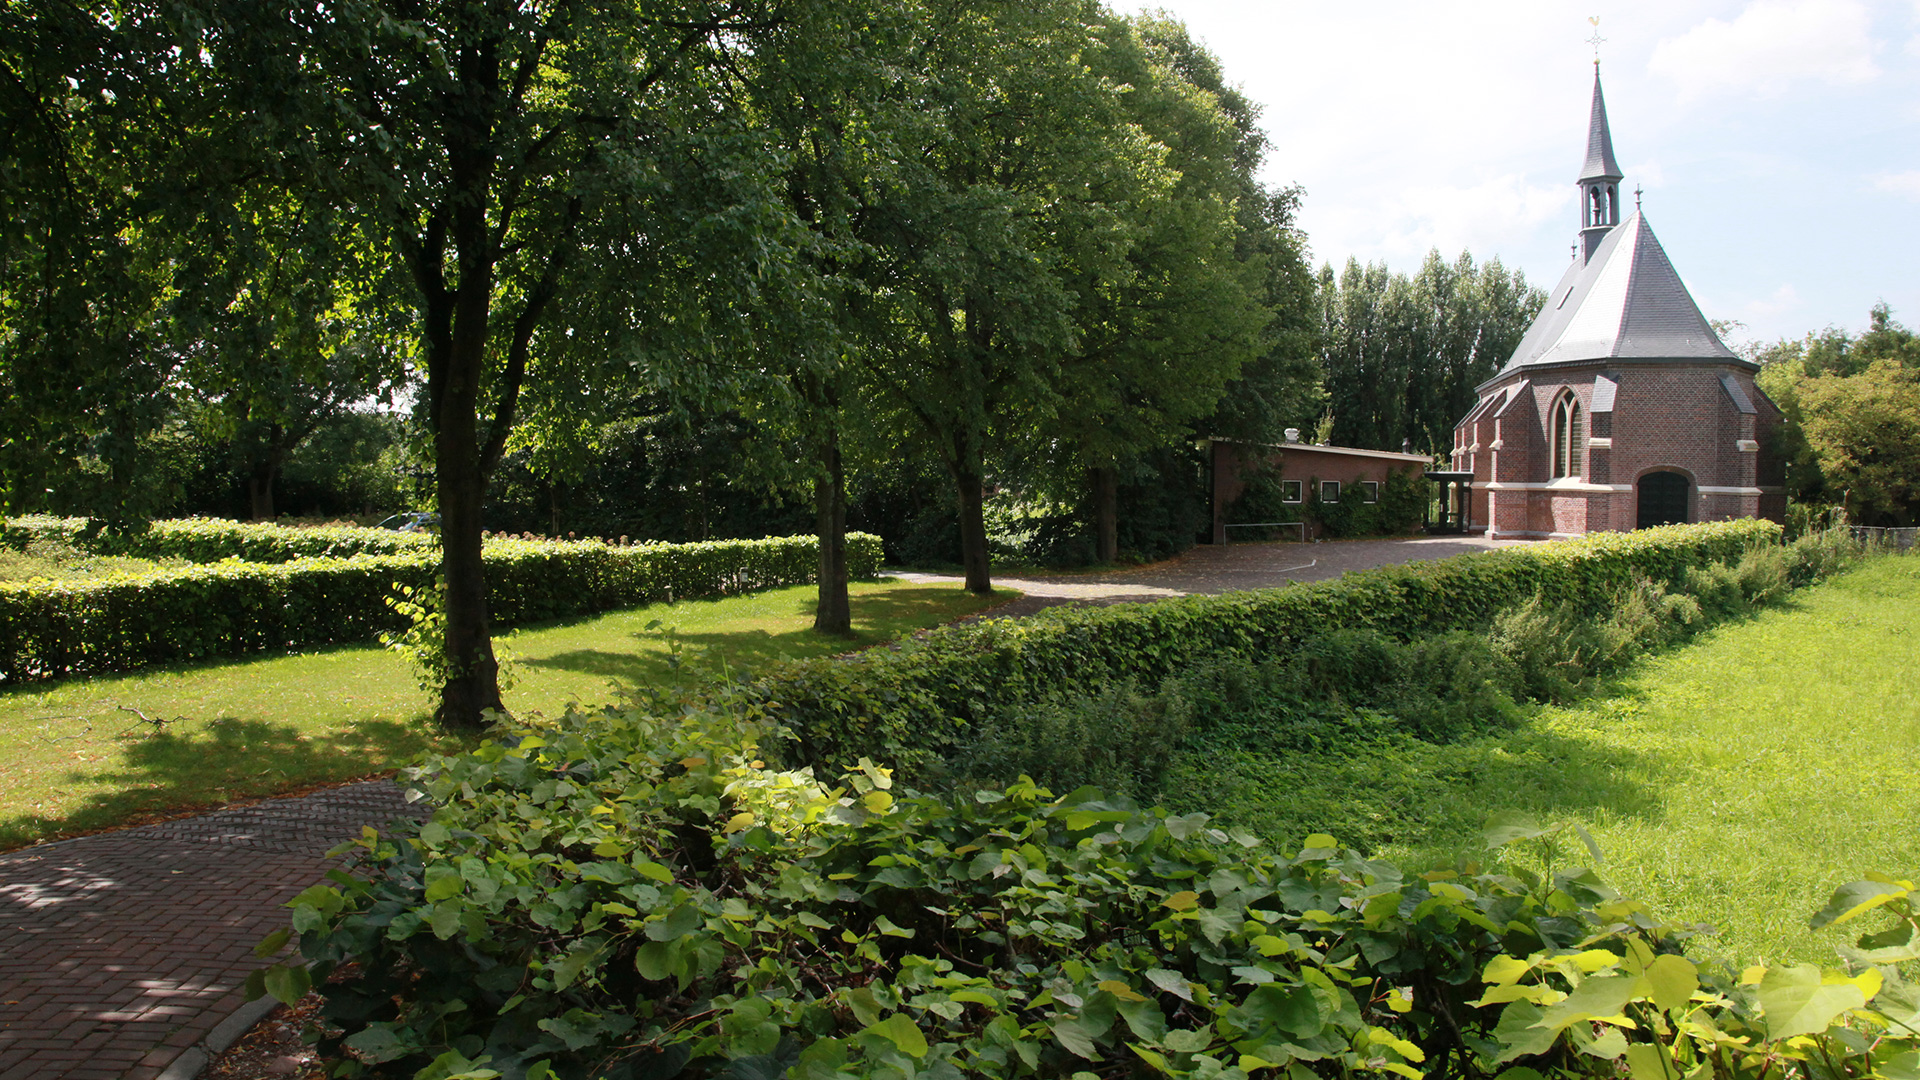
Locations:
{"points": [[623, 895], [1402, 355], [422, 635], [1816, 555], [231, 608], [1115, 737], [912, 705], [1864, 431]]}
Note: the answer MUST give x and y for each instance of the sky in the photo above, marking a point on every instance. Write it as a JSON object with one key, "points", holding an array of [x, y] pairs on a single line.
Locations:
{"points": [[1777, 141]]}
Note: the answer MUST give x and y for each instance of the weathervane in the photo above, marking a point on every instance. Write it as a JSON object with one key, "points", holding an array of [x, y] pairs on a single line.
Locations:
{"points": [[1596, 39]]}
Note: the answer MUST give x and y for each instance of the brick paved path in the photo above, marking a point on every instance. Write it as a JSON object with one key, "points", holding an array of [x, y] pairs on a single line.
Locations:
{"points": [[120, 951]]}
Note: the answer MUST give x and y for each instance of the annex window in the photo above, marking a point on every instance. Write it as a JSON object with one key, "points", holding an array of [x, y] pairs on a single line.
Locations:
{"points": [[1566, 436], [1370, 491], [1329, 491], [1289, 491]]}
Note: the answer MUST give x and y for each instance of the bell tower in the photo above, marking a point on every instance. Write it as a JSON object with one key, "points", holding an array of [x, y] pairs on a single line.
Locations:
{"points": [[1599, 178]]}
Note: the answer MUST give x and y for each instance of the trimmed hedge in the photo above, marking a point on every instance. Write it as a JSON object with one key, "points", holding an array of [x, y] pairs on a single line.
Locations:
{"points": [[211, 540], [232, 608], [910, 704]]}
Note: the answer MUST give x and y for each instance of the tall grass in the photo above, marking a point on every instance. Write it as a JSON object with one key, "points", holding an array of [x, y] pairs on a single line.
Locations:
{"points": [[1734, 780]]}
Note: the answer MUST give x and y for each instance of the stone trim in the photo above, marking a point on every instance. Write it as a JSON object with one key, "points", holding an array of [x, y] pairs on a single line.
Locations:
{"points": [[1558, 485]]}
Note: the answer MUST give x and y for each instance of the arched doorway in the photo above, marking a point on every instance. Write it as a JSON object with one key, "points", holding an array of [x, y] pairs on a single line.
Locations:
{"points": [[1663, 499]]}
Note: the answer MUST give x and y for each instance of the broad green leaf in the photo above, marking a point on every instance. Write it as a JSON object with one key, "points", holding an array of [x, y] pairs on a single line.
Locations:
{"points": [[653, 870], [288, 982], [1607, 1046], [1502, 970], [680, 922], [1072, 1032], [1521, 1033], [1854, 899], [272, 943], [445, 886], [900, 1030], [1184, 900], [1171, 982], [654, 960], [377, 1043], [1674, 979], [1600, 996], [1796, 1001], [1649, 1061], [1183, 1041], [1508, 826]]}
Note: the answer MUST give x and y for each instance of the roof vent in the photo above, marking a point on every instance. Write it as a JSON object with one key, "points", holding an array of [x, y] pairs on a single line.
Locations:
{"points": [[1293, 434]]}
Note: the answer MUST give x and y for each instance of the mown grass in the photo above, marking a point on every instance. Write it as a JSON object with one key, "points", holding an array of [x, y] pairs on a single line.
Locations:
{"points": [[77, 758], [1735, 781]]}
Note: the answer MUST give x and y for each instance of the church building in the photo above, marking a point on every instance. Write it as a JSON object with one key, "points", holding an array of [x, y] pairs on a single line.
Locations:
{"points": [[1621, 408]]}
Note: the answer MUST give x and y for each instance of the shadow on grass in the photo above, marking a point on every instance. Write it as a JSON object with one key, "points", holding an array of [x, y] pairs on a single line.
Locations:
{"points": [[876, 617], [1417, 801], [171, 774]]}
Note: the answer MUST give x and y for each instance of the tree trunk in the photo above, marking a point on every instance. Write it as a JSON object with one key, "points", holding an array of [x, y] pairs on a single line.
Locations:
{"points": [[833, 614], [973, 525], [1106, 513], [260, 493], [473, 679]]}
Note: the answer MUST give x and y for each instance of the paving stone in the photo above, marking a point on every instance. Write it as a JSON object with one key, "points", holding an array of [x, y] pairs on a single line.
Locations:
{"points": [[119, 951]]}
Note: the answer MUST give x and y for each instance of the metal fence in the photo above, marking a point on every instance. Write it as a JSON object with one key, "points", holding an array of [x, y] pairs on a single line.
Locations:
{"points": [[1897, 539]]}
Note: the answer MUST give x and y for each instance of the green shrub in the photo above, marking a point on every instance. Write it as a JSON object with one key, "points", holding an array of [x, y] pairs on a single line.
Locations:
{"points": [[211, 540], [1116, 737], [622, 896], [1717, 590], [119, 623], [1762, 574], [1814, 556], [1455, 685]]}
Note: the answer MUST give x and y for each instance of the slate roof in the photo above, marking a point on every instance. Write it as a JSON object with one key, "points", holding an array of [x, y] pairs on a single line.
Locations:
{"points": [[1626, 302], [1600, 163]]}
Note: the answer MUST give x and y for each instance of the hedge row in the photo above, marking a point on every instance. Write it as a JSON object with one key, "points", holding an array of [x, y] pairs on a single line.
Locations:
{"points": [[210, 540], [909, 705], [231, 608]]}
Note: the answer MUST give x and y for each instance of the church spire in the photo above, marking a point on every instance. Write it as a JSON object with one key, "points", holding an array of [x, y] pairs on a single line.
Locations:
{"points": [[1599, 178]]}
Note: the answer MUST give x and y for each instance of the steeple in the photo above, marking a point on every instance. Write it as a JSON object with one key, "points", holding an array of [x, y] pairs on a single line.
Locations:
{"points": [[1599, 178]]}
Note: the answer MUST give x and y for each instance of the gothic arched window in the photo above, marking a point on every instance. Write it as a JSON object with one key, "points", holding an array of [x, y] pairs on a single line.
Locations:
{"points": [[1566, 435]]}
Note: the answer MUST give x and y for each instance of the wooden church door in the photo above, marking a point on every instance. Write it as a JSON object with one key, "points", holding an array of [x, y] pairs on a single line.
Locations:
{"points": [[1663, 499]]}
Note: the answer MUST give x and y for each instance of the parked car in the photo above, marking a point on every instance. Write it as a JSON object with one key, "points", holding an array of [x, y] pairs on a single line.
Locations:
{"points": [[412, 522]]}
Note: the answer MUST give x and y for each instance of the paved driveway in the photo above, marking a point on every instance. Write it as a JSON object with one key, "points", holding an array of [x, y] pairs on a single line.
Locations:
{"points": [[1218, 568]]}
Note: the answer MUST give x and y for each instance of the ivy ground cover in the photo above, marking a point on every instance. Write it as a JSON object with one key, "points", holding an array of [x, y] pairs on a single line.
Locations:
{"points": [[76, 762], [1735, 781]]}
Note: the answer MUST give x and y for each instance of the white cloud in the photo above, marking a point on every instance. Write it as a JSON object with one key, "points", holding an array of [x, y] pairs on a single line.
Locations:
{"points": [[1905, 183], [1768, 46], [1400, 227]]}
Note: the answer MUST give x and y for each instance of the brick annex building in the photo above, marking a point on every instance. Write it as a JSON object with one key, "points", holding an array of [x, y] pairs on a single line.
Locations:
{"points": [[1621, 408]]}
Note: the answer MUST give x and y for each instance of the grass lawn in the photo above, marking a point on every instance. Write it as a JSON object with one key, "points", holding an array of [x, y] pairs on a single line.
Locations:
{"points": [[75, 762], [1735, 781]]}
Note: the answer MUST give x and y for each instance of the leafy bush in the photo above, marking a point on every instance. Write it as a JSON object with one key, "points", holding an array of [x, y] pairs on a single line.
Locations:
{"points": [[1817, 555], [1116, 738], [212, 540], [622, 896], [231, 608]]}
